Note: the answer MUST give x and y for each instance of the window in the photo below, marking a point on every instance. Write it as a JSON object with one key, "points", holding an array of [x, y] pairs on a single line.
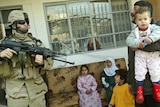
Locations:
{"points": [[4, 12], [76, 27]]}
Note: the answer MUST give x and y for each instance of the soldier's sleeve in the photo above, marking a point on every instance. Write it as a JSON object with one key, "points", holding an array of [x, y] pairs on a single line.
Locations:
{"points": [[48, 63]]}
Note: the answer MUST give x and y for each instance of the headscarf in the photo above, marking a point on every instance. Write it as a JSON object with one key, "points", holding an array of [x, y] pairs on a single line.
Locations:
{"points": [[110, 71]]}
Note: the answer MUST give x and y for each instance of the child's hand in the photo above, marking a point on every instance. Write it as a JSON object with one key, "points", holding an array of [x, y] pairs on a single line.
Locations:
{"points": [[106, 85], [89, 91], [141, 45], [111, 88], [148, 41]]}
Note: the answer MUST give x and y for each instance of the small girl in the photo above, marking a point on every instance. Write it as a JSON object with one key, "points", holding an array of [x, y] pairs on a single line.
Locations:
{"points": [[87, 85], [107, 77], [121, 96]]}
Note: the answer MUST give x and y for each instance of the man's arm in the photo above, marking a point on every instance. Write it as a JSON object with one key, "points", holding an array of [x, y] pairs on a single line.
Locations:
{"points": [[152, 47]]}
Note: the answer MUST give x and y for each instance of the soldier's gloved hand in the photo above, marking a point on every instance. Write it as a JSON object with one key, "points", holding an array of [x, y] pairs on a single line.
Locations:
{"points": [[7, 53], [39, 59]]}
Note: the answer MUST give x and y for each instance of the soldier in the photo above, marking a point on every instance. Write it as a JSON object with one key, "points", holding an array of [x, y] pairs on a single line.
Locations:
{"points": [[25, 87]]}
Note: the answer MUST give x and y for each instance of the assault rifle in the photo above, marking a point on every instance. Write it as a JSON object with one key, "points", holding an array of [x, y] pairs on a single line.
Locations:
{"points": [[24, 47]]}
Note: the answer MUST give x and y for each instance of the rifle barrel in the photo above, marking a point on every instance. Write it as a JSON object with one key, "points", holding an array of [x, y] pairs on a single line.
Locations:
{"points": [[64, 61]]}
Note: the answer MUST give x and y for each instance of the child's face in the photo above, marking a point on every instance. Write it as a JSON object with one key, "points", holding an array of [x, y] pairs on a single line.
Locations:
{"points": [[143, 20], [117, 79], [84, 71], [108, 63]]}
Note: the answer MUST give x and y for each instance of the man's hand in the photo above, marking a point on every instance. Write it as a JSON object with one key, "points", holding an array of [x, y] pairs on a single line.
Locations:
{"points": [[39, 59], [7, 53], [130, 89], [134, 49]]}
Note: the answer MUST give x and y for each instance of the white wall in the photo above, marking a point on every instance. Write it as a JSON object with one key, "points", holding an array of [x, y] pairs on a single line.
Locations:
{"points": [[97, 56], [35, 10]]}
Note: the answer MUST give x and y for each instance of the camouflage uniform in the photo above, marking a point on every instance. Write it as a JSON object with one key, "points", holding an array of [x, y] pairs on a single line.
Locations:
{"points": [[26, 87]]}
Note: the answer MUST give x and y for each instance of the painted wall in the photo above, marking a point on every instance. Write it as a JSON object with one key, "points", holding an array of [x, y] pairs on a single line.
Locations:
{"points": [[156, 8], [35, 10]]}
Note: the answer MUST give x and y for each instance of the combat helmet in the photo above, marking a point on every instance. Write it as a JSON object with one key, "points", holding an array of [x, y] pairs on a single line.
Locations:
{"points": [[17, 15]]}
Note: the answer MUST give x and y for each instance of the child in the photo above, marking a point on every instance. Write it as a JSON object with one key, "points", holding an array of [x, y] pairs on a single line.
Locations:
{"points": [[87, 85], [107, 76], [145, 34], [121, 96]]}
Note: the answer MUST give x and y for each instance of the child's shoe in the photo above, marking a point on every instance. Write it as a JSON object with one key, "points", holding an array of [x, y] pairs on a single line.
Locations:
{"points": [[156, 92], [139, 96]]}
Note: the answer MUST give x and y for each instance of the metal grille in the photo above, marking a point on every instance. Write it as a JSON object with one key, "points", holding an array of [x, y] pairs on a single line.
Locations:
{"points": [[88, 26]]}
